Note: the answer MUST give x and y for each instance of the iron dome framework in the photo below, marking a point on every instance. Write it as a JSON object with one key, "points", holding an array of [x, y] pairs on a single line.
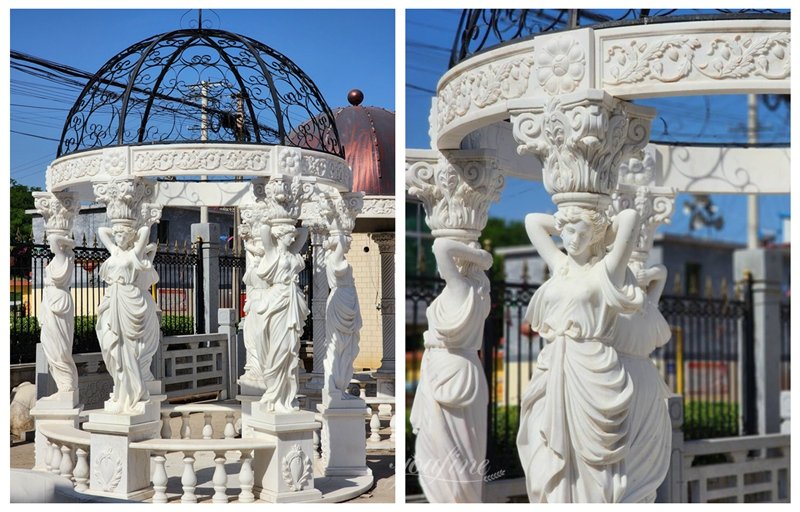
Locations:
{"points": [[200, 85]]}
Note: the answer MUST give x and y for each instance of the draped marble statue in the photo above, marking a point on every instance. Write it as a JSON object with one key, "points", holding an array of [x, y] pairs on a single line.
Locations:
{"points": [[254, 307], [146, 279], [578, 416], [126, 320], [284, 315], [449, 410], [637, 336], [574, 423]]}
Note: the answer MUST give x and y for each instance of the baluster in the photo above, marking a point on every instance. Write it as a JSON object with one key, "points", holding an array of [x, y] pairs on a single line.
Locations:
{"points": [[166, 430], [362, 391], [160, 478], [374, 427], [65, 469], [55, 458], [391, 426], [230, 428], [220, 479], [208, 430], [81, 470], [246, 478], [48, 454], [189, 478], [186, 430]]}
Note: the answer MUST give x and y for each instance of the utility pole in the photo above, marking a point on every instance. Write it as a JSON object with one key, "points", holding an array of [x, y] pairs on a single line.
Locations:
{"points": [[752, 199], [204, 86]]}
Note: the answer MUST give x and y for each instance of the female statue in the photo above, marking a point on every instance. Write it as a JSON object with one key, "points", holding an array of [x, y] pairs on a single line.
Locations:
{"points": [[649, 440], [574, 418], [449, 411], [146, 278], [254, 308], [342, 319], [284, 314], [57, 314], [126, 319]]}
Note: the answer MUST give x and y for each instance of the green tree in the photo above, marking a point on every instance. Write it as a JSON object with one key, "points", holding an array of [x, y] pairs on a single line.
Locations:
{"points": [[21, 200]]}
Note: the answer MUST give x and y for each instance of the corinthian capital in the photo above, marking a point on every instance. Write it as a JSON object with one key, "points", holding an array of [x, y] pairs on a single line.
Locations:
{"points": [[655, 206], [125, 199], [340, 210], [581, 138], [58, 210], [456, 191], [283, 197]]}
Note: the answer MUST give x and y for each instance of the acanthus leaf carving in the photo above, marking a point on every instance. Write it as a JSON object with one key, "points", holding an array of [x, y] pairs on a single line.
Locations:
{"points": [[456, 193], [57, 208]]}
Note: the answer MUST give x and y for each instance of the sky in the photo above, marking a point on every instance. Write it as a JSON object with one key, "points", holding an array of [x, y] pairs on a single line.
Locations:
{"points": [[339, 50], [429, 38]]}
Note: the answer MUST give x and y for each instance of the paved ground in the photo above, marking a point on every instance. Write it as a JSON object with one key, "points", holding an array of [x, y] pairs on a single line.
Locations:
{"points": [[381, 463]]}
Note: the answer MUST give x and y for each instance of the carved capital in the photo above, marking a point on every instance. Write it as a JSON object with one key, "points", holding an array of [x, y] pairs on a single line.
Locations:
{"points": [[252, 216], [283, 196], [581, 138], [456, 192], [385, 241], [655, 206], [124, 199], [340, 210], [58, 210]]}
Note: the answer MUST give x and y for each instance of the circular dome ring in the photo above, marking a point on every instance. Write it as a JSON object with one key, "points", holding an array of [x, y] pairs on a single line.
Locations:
{"points": [[270, 98]]}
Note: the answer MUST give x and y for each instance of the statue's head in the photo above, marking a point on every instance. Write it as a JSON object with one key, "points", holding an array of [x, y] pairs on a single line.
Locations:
{"points": [[582, 229], [124, 235], [284, 234]]}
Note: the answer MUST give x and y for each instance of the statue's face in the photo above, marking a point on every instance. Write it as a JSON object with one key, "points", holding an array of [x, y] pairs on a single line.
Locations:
{"points": [[577, 237], [123, 238], [287, 239]]}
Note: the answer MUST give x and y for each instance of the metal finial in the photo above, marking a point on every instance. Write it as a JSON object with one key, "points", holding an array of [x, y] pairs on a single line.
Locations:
{"points": [[355, 97]]}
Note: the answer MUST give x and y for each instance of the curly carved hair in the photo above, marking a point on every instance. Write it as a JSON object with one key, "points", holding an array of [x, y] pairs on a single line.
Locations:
{"points": [[597, 219]]}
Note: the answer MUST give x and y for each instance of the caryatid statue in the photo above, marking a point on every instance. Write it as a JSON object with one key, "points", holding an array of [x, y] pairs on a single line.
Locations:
{"points": [[256, 289], [576, 428], [285, 310], [127, 323], [342, 313], [57, 314], [450, 404], [639, 334]]}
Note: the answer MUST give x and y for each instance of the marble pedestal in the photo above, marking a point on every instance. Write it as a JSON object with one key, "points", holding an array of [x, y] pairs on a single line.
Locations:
{"points": [[343, 439], [284, 474], [118, 471], [247, 401], [60, 408]]}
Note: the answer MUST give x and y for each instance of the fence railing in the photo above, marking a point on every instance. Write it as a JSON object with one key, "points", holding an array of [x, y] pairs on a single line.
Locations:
{"points": [[175, 294], [786, 346], [702, 360]]}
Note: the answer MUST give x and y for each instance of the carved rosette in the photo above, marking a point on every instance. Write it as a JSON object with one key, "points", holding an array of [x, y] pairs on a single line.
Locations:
{"points": [[456, 193], [283, 196], [638, 170], [296, 468], [655, 206], [58, 210], [340, 210], [582, 139], [561, 65], [124, 199]]}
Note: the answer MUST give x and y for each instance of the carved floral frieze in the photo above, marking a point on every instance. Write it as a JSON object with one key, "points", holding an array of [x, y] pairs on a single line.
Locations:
{"points": [[676, 57], [482, 87]]}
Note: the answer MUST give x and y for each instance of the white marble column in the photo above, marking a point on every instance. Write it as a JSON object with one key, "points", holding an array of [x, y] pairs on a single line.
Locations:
{"points": [[450, 405], [318, 232]]}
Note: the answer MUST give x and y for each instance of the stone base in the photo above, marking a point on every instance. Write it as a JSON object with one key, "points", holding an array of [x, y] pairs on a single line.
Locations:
{"points": [[60, 400], [343, 440], [117, 470], [247, 402], [249, 387], [339, 489], [306, 495], [140, 495], [285, 473]]}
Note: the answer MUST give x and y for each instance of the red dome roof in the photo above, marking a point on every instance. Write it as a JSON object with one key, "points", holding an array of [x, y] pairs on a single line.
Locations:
{"points": [[367, 134]]}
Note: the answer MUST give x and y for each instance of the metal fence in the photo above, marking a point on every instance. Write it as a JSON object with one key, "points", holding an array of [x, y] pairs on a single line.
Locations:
{"points": [[176, 294], [702, 361], [786, 347]]}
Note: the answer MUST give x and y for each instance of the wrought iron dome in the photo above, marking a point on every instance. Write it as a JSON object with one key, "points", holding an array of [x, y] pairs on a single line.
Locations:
{"points": [[200, 85]]}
